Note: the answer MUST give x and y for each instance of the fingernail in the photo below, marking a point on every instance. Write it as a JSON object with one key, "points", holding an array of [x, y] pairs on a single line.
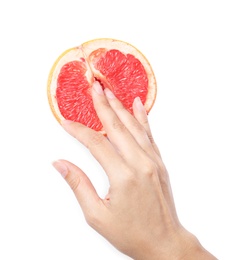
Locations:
{"points": [[98, 88], [61, 168], [109, 93], [139, 104]]}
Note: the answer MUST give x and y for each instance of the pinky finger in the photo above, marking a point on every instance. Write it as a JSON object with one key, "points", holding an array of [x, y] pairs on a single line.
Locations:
{"points": [[141, 115]]}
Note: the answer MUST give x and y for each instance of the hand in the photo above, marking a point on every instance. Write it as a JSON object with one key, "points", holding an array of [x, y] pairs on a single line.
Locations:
{"points": [[138, 214]]}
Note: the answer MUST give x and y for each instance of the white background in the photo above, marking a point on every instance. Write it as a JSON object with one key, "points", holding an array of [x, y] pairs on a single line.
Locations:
{"points": [[193, 47]]}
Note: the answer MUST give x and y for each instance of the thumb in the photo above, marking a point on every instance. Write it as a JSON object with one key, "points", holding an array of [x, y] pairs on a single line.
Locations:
{"points": [[82, 187]]}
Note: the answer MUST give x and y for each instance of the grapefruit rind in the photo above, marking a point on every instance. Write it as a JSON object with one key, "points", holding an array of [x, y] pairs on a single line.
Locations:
{"points": [[84, 51]]}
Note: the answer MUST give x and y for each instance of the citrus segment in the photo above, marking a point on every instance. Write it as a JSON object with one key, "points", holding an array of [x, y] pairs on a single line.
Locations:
{"points": [[73, 95], [125, 74]]}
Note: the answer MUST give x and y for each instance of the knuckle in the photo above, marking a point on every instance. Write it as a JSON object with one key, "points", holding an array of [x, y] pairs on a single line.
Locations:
{"points": [[131, 179], [107, 105], [150, 169], [138, 126], [96, 139], [128, 179], [74, 182], [117, 125], [151, 139], [145, 121], [129, 183]]}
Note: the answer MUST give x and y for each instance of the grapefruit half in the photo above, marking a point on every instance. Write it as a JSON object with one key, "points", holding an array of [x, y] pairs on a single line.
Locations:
{"points": [[116, 64]]}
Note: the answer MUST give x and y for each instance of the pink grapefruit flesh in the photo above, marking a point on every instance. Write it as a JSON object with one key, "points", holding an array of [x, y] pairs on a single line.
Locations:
{"points": [[115, 64]]}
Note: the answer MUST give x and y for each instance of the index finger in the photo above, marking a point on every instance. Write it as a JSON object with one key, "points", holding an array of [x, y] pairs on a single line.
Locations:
{"points": [[98, 145]]}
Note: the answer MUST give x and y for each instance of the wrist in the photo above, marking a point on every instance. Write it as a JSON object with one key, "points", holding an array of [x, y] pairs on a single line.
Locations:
{"points": [[195, 251], [181, 246]]}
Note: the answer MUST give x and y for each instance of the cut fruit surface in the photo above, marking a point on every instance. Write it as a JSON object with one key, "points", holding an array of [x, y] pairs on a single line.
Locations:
{"points": [[117, 65]]}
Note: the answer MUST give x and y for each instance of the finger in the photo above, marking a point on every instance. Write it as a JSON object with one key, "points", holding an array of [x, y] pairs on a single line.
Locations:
{"points": [[131, 123], [141, 115], [116, 131], [98, 145], [91, 204]]}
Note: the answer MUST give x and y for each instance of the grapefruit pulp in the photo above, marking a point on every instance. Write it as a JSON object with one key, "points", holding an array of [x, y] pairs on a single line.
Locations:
{"points": [[116, 64]]}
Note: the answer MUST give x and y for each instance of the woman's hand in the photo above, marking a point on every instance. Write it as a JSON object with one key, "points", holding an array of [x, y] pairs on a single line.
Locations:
{"points": [[138, 214]]}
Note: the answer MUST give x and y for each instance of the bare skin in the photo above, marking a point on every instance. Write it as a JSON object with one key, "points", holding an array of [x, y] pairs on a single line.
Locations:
{"points": [[138, 214]]}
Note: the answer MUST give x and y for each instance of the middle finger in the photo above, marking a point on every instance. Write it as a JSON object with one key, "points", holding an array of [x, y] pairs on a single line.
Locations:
{"points": [[116, 131]]}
